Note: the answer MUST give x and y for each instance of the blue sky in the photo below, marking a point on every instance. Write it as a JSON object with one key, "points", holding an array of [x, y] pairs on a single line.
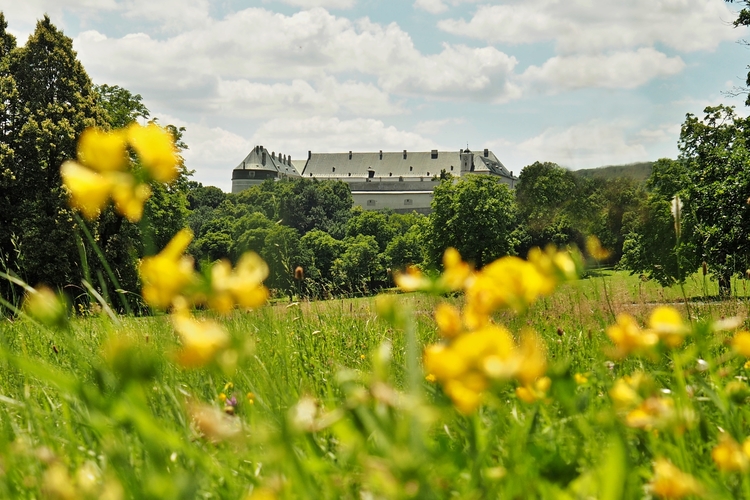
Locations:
{"points": [[579, 82]]}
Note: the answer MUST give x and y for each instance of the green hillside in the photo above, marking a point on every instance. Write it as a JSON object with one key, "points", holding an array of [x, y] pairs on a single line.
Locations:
{"points": [[638, 171]]}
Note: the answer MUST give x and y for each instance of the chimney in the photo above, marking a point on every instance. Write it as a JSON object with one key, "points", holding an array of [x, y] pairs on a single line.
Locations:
{"points": [[381, 154], [434, 154], [404, 154], [309, 154], [486, 152], [273, 154], [350, 155], [289, 159]]}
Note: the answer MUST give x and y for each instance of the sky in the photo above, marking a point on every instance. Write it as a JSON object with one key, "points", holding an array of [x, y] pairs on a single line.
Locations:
{"points": [[582, 83]]}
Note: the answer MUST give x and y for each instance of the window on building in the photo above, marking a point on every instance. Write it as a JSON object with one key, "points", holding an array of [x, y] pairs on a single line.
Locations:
{"points": [[371, 203], [333, 169], [408, 201]]}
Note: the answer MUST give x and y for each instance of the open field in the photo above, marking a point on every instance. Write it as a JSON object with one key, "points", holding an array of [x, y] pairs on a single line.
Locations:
{"points": [[316, 409]]}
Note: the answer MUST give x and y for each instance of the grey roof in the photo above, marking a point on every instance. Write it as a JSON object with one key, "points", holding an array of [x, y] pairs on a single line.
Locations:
{"points": [[261, 159], [398, 164]]}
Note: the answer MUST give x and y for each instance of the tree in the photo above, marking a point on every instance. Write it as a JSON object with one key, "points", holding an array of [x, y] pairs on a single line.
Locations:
{"points": [[743, 19], [476, 215], [359, 265], [120, 105], [715, 153], [372, 223], [307, 204], [46, 106]]}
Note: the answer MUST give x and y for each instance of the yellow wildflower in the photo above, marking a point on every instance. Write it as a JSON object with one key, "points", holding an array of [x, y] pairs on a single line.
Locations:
{"points": [[741, 343], [247, 282], [580, 378], [595, 249], [412, 280], [456, 271], [653, 413], [201, 340], [155, 147], [535, 391], [448, 320], [729, 455], [507, 282], [667, 323], [430, 378], [46, 306], [166, 274], [624, 395], [102, 151], [671, 482], [465, 399], [443, 362], [532, 359], [129, 196], [628, 337], [89, 191]]}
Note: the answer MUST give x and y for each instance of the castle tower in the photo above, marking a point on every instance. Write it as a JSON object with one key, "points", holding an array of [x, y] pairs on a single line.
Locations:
{"points": [[467, 161]]}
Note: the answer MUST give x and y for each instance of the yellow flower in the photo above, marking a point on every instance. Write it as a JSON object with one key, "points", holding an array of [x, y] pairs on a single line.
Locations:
{"points": [[628, 337], [128, 196], [465, 399], [507, 282], [201, 340], [89, 191], [46, 306], [247, 282], [624, 395], [652, 413], [741, 343], [531, 393], [430, 378], [165, 275], [667, 323], [155, 148], [448, 320], [533, 360], [729, 456], [411, 280], [443, 363], [580, 378], [595, 249], [671, 482], [456, 271], [102, 151]]}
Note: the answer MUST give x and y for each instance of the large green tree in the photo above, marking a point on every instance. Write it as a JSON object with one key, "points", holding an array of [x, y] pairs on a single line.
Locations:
{"points": [[476, 215], [48, 100], [716, 156]]}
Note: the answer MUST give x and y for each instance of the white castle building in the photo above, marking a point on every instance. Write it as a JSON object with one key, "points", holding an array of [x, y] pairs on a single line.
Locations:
{"points": [[401, 181]]}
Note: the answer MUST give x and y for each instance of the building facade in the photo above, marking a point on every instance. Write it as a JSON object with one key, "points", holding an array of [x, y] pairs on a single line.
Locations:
{"points": [[401, 181]]}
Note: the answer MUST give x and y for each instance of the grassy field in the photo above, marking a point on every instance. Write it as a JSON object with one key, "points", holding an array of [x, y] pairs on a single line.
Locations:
{"points": [[329, 400]]}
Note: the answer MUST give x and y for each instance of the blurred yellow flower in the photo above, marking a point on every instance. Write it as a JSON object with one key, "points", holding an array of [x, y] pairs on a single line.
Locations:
{"points": [[102, 151], [535, 391], [89, 191], [166, 274], [247, 282], [465, 399], [155, 147], [532, 358], [455, 271], [412, 280], [741, 343], [46, 306], [671, 482], [667, 323], [595, 249], [580, 378], [628, 336], [729, 456], [201, 340], [129, 196], [448, 320], [653, 413]]}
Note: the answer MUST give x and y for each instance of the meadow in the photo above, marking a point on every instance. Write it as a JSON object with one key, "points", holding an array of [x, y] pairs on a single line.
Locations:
{"points": [[330, 399]]}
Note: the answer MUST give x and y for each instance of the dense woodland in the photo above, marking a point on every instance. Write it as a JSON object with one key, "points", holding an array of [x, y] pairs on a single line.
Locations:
{"points": [[47, 100]]}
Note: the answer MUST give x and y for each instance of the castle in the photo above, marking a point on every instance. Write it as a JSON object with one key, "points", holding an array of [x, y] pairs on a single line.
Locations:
{"points": [[400, 181]]}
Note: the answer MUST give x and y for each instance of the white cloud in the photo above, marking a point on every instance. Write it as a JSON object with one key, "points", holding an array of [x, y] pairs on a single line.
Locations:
{"points": [[625, 70], [328, 4], [585, 145], [331, 134], [170, 15], [583, 26], [431, 6], [300, 99], [432, 127], [256, 44]]}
